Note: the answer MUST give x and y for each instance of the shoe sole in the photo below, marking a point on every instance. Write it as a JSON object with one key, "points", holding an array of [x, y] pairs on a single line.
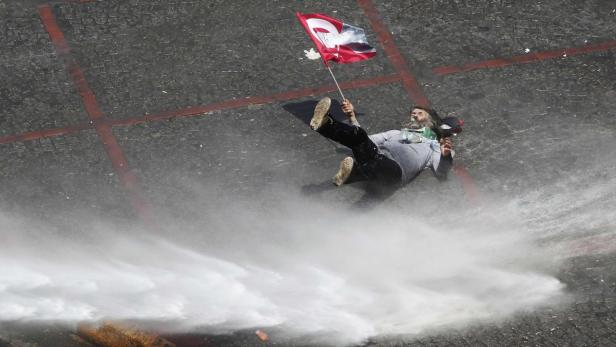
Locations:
{"points": [[346, 166], [320, 113]]}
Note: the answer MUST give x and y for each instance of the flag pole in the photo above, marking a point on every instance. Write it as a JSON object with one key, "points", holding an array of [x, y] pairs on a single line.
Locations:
{"points": [[334, 77]]}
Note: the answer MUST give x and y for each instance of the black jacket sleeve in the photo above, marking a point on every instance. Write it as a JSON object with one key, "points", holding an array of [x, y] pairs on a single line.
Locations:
{"points": [[444, 165]]}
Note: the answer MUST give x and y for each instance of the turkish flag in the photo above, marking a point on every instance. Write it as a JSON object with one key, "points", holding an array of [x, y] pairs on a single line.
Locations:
{"points": [[335, 40]]}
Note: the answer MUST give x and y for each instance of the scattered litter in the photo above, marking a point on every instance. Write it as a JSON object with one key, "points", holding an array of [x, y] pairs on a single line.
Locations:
{"points": [[614, 10], [262, 335], [201, 146], [68, 198], [304, 134], [526, 50], [312, 54], [252, 119], [585, 41], [164, 92], [564, 54]]}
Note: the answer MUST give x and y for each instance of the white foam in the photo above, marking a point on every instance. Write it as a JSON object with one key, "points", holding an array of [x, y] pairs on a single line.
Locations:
{"points": [[347, 274]]}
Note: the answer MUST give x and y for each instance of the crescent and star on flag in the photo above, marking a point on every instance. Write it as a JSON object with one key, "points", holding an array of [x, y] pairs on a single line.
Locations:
{"points": [[336, 41]]}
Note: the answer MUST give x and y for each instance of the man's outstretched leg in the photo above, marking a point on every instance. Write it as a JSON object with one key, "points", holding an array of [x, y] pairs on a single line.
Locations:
{"points": [[321, 113], [376, 168], [367, 163], [344, 134], [344, 172]]}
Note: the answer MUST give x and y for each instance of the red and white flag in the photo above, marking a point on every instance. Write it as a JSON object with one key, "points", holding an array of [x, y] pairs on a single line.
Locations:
{"points": [[335, 40]]}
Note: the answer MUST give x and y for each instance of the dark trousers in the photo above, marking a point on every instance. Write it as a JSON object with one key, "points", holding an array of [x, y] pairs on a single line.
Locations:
{"points": [[369, 163]]}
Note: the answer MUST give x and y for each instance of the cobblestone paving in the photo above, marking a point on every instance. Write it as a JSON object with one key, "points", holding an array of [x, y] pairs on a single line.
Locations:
{"points": [[36, 92], [148, 57]]}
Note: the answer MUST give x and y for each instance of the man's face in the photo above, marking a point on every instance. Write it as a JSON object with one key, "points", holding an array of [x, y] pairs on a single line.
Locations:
{"points": [[420, 116]]}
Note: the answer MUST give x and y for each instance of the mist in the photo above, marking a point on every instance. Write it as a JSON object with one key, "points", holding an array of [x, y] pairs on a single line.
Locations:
{"points": [[322, 271]]}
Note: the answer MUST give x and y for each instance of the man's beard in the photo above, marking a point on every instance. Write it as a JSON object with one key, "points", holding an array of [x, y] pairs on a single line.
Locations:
{"points": [[414, 124]]}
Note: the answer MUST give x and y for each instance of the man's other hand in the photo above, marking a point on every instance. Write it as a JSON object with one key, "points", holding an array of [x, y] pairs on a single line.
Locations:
{"points": [[446, 146]]}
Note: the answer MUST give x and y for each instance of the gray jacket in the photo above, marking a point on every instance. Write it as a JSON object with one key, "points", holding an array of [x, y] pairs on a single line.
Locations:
{"points": [[413, 158]]}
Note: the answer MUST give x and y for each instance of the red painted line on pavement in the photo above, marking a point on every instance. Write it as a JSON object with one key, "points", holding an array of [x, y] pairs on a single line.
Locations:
{"points": [[393, 53], [190, 111], [524, 59], [411, 85], [103, 129], [255, 100], [35, 135], [468, 184]]}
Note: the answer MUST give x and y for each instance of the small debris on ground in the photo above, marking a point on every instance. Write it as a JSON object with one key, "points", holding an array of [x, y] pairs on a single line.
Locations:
{"points": [[262, 335], [312, 54]]}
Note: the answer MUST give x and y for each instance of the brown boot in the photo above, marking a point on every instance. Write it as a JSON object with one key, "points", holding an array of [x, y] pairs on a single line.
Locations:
{"points": [[321, 111], [346, 166]]}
